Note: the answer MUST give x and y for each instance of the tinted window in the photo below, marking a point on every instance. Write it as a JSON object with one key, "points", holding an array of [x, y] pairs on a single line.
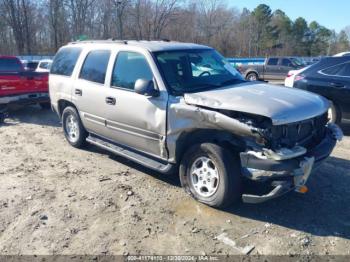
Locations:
{"points": [[95, 66], [129, 67], [340, 70], [44, 65], [345, 70], [65, 60], [286, 62], [273, 61], [31, 65], [9, 65]]}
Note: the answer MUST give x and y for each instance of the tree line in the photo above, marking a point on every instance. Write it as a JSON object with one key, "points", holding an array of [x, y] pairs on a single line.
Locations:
{"points": [[42, 26]]}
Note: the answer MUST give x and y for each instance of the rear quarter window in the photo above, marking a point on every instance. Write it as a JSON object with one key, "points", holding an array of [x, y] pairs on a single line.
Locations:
{"points": [[338, 70], [10, 65], [65, 61]]}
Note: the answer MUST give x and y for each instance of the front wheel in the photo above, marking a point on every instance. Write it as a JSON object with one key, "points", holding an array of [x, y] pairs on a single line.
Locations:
{"points": [[334, 114], [73, 129], [211, 174], [252, 77]]}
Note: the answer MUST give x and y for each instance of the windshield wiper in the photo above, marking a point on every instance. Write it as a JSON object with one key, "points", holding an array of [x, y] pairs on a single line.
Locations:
{"points": [[231, 81], [204, 86]]}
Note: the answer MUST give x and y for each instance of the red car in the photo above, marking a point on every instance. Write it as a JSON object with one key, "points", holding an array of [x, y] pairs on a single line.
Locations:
{"points": [[21, 87]]}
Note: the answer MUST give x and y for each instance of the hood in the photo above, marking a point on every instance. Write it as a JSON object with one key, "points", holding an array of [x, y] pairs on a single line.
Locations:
{"points": [[282, 105]]}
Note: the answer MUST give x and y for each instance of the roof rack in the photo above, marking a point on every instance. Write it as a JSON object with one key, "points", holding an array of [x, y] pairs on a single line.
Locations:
{"points": [[116, 41], [108, 41]]}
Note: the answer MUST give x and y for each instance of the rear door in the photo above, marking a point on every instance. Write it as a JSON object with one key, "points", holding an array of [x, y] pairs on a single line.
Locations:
{"points": [[338, 86], [89, 91], [135, 120], [271, 69], [285, 65]]}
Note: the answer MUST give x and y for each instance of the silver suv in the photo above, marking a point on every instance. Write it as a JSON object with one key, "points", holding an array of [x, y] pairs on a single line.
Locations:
{"points": [[182, 108]]}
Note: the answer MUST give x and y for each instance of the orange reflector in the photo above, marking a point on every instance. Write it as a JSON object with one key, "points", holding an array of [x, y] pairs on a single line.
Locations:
{"points": [[303, 189]]}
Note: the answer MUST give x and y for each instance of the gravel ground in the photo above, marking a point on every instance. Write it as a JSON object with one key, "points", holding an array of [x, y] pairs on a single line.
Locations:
{"points": [[55, 199]]}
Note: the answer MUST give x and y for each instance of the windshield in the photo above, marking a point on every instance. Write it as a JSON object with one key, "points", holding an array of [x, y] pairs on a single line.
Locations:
{"points": [[188, 71]]}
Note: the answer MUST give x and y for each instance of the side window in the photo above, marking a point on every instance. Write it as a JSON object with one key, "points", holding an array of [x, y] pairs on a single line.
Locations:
{"points": [[44, 65], [286, 62], [340, 70], [10, 65], [65, 60], [345, 70], [272, 61], [95, 66], [129, 67]]}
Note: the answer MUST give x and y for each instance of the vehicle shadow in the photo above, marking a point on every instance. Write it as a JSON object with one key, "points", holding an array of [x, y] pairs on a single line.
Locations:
{"points": [[323, 211], [32, 115], [346, 128], [172, 179]]}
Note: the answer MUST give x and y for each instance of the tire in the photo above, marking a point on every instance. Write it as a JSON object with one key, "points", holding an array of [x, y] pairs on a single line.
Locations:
{"points": [[73, 129], [45, 106], [224, 188], [252, 77], [334, 114]]}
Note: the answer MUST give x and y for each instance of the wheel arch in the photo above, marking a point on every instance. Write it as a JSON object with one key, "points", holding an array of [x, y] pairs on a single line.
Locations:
{"points": [[252, 71], [62, 104], [197, 136]]}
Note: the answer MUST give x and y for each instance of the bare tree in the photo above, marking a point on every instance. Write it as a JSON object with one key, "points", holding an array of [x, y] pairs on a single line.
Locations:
{"points": [[13, 16], [78, 12], [120, 6], [42, 26], [163, 12]]}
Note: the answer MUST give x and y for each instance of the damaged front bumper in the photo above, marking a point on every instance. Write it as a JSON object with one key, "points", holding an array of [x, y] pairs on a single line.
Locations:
{"points": [[290, 169]]}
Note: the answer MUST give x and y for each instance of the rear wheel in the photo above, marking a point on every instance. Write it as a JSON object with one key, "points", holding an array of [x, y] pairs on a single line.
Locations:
{"points": [[334, 114], [73, 129], [252, 77], [211, 174]]}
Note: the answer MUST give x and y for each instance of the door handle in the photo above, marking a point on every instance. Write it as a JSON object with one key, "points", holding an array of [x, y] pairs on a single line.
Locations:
{"points": [[337, 85], [78, 92], [110, 100]]}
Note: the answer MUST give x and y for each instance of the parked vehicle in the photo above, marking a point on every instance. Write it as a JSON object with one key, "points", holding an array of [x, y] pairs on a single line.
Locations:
{"points": [[330, 78], [292, 76], [238, 62], [18, 86], [176, 107], [274, 68], [342, 54], [44, 66], [30, 65]]}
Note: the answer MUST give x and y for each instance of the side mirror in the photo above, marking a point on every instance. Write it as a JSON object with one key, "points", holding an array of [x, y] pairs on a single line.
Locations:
{"points": [[146, 87]]}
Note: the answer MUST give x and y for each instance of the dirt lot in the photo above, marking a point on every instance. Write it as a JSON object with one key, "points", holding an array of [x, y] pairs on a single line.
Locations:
{"points": [[55, 199]]}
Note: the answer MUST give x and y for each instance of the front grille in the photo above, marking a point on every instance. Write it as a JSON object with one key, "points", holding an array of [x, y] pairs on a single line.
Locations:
{"points": [[306, 133]]}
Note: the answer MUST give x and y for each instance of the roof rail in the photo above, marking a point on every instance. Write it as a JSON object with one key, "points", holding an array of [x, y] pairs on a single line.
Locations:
{"points": [[116, 41], [108, 41]]}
